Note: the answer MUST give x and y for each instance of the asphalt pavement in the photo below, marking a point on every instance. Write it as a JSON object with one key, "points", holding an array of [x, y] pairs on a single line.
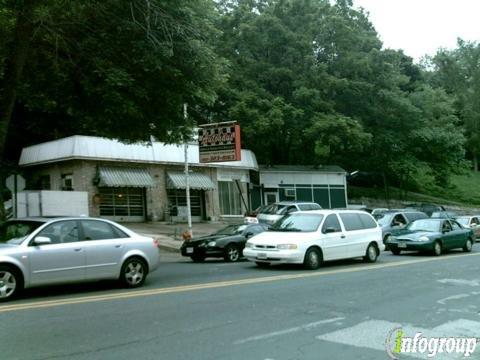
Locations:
{"points": [[217, 310]]}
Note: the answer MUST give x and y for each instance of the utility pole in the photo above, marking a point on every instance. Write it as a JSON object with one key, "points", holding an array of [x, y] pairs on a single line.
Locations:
{"points": [[187, 180]]}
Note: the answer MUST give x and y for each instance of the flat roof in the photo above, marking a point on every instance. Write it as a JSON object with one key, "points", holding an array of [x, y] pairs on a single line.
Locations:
{"points": [[79, 147], [302, 168]]}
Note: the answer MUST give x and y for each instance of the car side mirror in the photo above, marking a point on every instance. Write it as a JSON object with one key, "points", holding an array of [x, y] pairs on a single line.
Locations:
{"points": [[329, 230], [248, 234], [42, 240], [445, 231]]}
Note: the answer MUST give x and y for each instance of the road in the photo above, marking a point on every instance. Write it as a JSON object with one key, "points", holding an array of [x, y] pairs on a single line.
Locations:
{"points": [[214, 310]]}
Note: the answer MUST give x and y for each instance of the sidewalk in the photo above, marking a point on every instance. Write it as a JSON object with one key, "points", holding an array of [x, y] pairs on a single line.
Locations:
{"points": [[169, 236]]}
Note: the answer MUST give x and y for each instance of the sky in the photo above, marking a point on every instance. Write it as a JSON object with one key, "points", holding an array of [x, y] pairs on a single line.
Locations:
{"points": [[420, 27]]}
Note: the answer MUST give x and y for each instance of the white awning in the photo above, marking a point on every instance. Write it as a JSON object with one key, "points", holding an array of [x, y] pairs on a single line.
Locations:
{"points": [[197, 181], [125, 177]]}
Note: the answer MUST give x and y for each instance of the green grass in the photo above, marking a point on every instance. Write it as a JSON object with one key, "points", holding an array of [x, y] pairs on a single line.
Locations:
{"points": [[464, 190]]}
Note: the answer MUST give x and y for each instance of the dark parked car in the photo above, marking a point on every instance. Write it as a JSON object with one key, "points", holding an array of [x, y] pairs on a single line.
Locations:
{"points": [[426, 208], [228, 243], [434, 235], [444, 215]]}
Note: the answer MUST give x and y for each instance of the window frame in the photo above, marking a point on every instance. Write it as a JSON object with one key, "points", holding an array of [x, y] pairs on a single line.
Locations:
{"points": [[324, 228], [114, 230], [39, 233]]}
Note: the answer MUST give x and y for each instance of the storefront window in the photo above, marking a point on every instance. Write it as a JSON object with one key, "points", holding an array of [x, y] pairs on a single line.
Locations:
{"points": [[121, 201], [230, 198], [178, 198]]}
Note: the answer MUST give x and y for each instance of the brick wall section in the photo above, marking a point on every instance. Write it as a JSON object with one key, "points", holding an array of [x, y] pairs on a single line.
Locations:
{"points": [[84, 172], [156, 197]]}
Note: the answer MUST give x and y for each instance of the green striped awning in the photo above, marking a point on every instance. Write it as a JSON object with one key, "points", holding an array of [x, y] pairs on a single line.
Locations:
{"points": [[176, 180], [125, 177]]}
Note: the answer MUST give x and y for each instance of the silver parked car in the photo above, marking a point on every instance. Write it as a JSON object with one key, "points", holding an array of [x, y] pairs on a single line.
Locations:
{"points": [[44, 251], [273, 212], [397, 219], [472, 222]]}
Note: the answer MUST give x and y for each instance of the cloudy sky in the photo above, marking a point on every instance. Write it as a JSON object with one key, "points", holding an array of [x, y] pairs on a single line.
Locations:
{"points": [[420, 27]]}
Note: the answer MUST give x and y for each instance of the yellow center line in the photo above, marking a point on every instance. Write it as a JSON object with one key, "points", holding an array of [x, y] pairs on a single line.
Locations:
{"points": [[216, 284]]}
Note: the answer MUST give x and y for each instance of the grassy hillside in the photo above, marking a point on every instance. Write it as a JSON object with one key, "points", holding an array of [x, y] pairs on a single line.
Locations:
{"points": [[467, 188], [463, 191]]}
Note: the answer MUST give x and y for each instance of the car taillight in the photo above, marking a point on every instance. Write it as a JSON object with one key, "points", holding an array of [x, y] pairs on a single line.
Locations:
{"points": [[156, 243]]}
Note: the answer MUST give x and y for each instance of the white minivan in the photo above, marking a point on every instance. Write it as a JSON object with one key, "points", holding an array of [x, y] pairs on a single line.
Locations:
{"points": [[311, 237]]}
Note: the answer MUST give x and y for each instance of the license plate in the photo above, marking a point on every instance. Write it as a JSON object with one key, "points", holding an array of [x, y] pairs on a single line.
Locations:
{"points": [[261, 256], [189, 250], [402, 245]]}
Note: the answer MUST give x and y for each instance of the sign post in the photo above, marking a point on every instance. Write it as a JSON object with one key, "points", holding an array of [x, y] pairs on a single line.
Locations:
{"points": [[15, 183], [187, 180]]}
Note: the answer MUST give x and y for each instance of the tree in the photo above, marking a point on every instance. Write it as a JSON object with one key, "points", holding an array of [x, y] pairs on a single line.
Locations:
{"points": [[120, 69], [458, 71], [310, 83]]}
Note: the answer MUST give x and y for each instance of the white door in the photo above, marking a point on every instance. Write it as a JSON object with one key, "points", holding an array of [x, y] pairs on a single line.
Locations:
{"points": [[357, 237], [334, 239], [271, 197], [61, 261]]}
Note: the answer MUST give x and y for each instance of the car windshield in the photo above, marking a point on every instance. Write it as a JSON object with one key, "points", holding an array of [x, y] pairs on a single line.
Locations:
{"points": [[425, 225], [463, 220], [272, 209], [384, 219], [14, 232], [298, 222], [231, 229]]}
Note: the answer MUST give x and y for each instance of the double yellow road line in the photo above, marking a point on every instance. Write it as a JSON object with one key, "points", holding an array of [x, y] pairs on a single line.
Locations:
{"points": [[217, 284]]}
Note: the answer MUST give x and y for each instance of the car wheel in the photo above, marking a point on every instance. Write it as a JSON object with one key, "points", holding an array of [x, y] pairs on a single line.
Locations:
{"points": [[198, 258], [313, 259], [11, 283], [232, 253], [437, 248], [134, 272], [468, 245], [262, 264], [371, 254], [396, 251]]}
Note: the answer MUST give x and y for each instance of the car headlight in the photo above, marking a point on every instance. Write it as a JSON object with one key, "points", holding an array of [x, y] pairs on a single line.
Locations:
{"points": [[212, 243], [423, 238], [390, 238], [287, 246], [248, 245]]}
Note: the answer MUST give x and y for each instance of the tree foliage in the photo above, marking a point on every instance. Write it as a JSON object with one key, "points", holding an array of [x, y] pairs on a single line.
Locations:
{"points": [[458, 72], [120, 69], [308, 81]]}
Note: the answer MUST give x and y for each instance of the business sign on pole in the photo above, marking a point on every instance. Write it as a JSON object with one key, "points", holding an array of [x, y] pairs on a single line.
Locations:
{"points": [[219, 142]]}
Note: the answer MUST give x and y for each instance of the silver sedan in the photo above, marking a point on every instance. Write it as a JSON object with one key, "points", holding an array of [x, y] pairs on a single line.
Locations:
{"points": [[45, 251]]}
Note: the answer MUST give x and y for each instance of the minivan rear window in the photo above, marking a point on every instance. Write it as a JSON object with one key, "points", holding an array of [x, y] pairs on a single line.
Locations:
{"points": [[368, 222], [351, 221]]}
